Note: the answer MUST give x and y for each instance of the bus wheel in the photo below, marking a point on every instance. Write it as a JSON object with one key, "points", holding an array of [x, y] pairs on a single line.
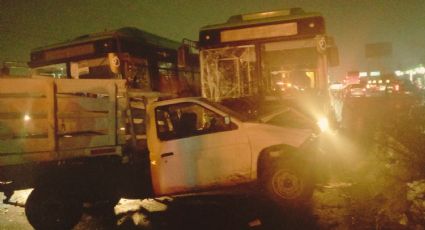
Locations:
{"points": [[52, 209], [288, 184]]}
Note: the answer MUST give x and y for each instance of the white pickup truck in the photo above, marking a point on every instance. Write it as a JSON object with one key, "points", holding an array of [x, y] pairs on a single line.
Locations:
{"points": [[77, 141]]}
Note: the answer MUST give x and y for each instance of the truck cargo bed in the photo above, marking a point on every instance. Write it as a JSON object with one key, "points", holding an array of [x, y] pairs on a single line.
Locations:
{"points": [[55, 119]]}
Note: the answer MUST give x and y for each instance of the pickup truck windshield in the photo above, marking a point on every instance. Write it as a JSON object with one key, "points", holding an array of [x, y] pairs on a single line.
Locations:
{"points": [[230, 112]]}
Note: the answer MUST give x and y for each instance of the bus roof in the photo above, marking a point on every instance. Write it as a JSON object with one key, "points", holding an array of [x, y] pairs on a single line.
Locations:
{"points": [[125, 32], [243, 20]]}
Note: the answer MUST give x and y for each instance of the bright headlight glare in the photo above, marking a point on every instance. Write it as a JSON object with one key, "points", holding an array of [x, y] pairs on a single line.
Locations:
{"points": [[27, 117], [323, 124]]}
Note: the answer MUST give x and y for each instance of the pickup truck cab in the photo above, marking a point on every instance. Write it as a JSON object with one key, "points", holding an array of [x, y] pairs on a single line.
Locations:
{"points": [[197, 144], [77, 141]]}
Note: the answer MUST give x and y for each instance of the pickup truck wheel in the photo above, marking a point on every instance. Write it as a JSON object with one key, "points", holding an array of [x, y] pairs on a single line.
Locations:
{"points": [[52, 209], [288, 184]]}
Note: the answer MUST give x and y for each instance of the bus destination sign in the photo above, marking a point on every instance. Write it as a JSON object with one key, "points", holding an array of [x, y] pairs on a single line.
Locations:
{"points": [[259, 32]]}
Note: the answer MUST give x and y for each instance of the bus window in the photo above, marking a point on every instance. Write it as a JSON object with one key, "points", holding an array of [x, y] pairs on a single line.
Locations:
{"points": [[55, 71]]}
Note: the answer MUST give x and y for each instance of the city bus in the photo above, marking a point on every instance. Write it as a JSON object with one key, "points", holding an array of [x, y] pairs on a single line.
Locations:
{"points": [[278, 55], [146, 61]]}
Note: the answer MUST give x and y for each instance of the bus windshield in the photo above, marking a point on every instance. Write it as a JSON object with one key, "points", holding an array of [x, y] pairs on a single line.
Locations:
{"points": [[231, 72], [291, 69], [91, 68], [55, 71], [95, 68]]}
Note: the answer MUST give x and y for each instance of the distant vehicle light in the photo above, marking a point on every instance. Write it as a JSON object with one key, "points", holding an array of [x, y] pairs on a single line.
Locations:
{"points": [[337, 86], [27, 117], [375, 73], [399, 73], [420, 70], [363, 74]]}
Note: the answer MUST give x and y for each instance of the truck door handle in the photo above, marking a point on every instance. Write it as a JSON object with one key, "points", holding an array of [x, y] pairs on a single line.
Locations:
{"points": [[167, 154]]}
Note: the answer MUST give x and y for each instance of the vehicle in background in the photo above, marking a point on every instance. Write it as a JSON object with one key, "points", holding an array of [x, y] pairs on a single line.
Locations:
{"points": [[381, 87], [389, 85], [355, 90], [404, 87], [274, 57], [146, 61]]}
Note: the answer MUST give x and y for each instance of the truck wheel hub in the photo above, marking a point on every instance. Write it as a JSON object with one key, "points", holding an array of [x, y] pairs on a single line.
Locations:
{"points": [[287, 185]]}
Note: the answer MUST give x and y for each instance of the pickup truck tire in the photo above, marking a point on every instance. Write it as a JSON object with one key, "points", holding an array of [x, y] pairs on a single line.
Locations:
{"points": [[52, 209], [288, 183]]}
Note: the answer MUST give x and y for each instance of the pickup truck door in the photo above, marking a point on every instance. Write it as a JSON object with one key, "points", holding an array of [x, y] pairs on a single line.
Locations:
{"points": [[196, 149]]}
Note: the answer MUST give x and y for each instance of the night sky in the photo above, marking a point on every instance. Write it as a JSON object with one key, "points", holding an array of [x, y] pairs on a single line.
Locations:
{"points": [[26, 24]]}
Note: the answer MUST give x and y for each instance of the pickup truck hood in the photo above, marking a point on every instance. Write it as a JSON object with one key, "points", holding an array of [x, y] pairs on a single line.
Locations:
{"points": [[263, 135]]}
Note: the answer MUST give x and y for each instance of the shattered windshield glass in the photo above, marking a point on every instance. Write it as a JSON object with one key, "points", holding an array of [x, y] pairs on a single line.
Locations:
{"points": [[229, 72], [92, 68]]}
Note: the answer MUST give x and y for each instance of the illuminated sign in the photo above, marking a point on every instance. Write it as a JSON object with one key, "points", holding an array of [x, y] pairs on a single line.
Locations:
{"points": [[262, 15], [267, 31], [257, 30], [363, 74], [375, 73], [69, 52]]}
